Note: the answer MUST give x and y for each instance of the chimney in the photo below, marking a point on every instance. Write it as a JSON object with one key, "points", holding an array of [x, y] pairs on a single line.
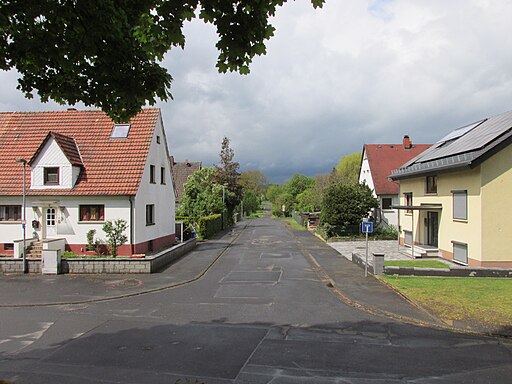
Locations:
{"points": [[407, 142]]}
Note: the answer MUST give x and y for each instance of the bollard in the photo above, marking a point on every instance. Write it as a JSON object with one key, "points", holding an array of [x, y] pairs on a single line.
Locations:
{"points": [[378, 263]]}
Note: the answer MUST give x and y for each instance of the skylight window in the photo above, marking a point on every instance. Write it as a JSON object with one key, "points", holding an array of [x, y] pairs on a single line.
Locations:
{"points": [[120, 131]]}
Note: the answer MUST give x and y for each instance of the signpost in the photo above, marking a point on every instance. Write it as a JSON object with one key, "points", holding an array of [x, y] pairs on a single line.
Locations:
{"points": [[366, 227]]}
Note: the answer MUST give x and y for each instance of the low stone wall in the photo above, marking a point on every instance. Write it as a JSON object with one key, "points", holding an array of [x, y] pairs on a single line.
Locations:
{"points": [[149, 264], [439, 272], [360, 260], [15, 265]]}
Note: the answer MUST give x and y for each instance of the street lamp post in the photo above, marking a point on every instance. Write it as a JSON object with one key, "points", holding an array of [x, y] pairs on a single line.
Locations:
{"points": [[24, 217]]}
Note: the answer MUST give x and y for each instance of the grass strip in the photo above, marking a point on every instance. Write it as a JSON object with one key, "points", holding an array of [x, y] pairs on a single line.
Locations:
{"points": [[416, 264], [484, 300]]}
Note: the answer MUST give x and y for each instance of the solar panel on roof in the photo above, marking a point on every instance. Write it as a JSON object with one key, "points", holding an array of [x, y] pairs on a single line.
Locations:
{"points": [[460, 132]]}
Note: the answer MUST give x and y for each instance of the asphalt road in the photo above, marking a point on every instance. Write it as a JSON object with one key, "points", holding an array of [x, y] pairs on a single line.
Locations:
{"points": [[261, 313]]}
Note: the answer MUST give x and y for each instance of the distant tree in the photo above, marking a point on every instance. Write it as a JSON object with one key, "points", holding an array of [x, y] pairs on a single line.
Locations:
{"points": [[228, 176], [273, 192], [285, 200], [251, 202], [108, 53], [254, 180], [346, 204], [306, 201], [297, 184], [114, 230], [202, 196], [347, 170]]}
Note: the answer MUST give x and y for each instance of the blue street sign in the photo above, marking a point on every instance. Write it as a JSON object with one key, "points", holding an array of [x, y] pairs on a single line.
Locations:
{"points": [[367, 227]]}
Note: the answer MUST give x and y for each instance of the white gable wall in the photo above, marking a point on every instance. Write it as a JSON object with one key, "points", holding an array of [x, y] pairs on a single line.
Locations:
{"points": [[365, 175], [160, 195], [52, 156]]}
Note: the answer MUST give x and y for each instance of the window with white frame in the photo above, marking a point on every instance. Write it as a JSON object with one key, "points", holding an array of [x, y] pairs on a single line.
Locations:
{"points": [[408, 201], [460, 205], [92, 212], [431, 184], [51, 176], [387, 202], [152, 177], [162, 175], [150, 214], [10, 212]]}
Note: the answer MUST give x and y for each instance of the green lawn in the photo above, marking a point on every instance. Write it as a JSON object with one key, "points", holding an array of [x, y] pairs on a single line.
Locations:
{"points": [[255, 215], [292, 223], [416, 264], [483, 300]]}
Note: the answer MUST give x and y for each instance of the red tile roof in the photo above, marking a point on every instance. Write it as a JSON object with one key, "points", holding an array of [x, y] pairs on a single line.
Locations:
{"points": [[110, 166], [383, 158], [180, 173], [66, 144]]}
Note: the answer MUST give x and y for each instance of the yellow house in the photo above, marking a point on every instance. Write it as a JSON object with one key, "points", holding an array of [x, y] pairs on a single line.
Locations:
{"points": [[455, 196]]}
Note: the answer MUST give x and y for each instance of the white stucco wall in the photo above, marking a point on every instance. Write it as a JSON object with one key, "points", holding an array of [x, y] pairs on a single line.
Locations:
{"points": [[52, 156], [161, 195], [365, 175], [67, 217]]}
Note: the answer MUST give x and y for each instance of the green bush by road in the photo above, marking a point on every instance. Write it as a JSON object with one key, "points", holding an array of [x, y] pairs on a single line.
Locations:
{"points": [[483, 300]]}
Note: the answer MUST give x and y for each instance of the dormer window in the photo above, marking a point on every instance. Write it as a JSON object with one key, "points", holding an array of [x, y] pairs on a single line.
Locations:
{"points": [[120, 131], [51, 176]]}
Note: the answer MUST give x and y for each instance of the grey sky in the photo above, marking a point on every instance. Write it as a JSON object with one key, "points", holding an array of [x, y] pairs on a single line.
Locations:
{"points": [[333, 79]]}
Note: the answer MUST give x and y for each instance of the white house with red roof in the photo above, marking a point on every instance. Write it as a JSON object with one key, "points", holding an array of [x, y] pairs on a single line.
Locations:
{"points": [[82, 170], [377, 162]]}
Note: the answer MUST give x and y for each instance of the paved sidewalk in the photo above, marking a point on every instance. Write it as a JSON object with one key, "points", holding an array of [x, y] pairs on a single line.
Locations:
{"points": [[43, 290], [353, 287], [390, 249]]}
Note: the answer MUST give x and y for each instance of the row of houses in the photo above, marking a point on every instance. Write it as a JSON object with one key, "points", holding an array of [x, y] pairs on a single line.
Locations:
{"points": [[78, 170], [449, 199]]}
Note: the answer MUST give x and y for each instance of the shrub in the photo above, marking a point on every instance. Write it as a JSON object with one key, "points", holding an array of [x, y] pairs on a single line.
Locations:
{"points": [[115, 234], [207, 226]]}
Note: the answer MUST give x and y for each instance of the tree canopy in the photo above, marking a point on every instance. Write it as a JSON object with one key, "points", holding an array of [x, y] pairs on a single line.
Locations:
{"points": [[346, 204], [347, 170], [202, 196], [227, 175], [108, 53]]}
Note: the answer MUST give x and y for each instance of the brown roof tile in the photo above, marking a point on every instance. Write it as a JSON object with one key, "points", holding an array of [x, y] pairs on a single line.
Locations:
{"points": [[383, 158], [180, 173]]}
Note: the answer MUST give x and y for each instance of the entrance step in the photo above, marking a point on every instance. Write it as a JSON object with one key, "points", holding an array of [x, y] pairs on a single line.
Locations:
{"points": [[424, 251], [35, 250]]}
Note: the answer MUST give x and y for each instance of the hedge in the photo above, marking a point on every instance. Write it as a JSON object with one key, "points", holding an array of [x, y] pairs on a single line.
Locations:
{"points": [[205, 226]]}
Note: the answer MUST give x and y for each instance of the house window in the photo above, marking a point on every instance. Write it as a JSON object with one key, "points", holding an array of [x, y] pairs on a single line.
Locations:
{"points": [[387, 202], [51, 176], [460, 205], [92, 213], [120, 131], [152, 174], [157, 139], [10, 212], [162, 175], [8, 246], [408, 201], [431, 184], [150, 214], [460, 252]]}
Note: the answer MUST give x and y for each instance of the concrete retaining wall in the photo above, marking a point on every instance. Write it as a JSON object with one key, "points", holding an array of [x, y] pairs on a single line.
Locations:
{"points": [[149, 264]]}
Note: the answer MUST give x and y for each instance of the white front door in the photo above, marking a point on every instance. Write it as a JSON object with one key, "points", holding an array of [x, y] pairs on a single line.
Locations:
{"points": [[50, 221]]}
